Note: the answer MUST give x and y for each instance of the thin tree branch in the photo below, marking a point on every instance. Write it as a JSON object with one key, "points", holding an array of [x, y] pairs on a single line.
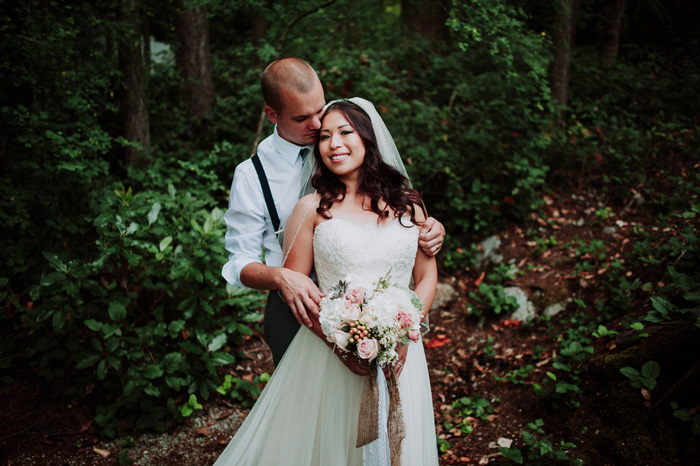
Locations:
{"points": [[299, 17], [261, 120], [452, 99], [677, 385]]}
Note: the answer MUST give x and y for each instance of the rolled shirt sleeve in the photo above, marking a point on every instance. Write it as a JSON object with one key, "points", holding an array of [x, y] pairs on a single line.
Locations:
{"points": [[248, 226]]}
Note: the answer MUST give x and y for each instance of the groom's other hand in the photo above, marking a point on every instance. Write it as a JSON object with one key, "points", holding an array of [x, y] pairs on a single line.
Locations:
{"points": [[301, 294], [432, 235]]}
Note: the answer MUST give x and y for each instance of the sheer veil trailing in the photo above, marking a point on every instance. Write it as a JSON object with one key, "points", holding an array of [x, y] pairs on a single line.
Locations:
{"points": [[387, 147]]}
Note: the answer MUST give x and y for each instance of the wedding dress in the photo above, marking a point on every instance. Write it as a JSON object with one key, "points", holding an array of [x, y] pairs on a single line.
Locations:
{"points": [[308, 412]]}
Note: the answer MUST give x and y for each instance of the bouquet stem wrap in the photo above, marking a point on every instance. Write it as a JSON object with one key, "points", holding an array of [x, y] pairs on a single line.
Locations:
{"points": [[368, 425]]}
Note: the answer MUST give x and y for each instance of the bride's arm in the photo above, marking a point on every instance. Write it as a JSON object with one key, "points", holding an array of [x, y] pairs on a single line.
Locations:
{"points": [[425, 285], [424, 274], [300, 258], [299, 292], [299, 235]]}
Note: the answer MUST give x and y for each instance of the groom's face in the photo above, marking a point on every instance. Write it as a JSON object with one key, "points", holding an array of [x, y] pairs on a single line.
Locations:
{"points": [[299, 119]]}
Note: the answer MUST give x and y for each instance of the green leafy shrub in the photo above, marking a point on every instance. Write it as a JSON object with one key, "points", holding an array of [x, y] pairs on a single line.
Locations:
{"points": [[242, 390], [686, 415], [492, 298], [681, 296], [518, 376], [148, 318], [574, 345], [539, 448], [646, 378], [469, 407]]}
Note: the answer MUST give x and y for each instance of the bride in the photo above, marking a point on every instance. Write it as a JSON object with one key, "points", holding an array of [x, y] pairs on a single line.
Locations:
{"points": [[362, 223]]}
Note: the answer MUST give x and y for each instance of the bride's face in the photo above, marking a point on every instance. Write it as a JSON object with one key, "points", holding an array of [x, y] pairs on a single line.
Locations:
{"points": [[341, 147]]}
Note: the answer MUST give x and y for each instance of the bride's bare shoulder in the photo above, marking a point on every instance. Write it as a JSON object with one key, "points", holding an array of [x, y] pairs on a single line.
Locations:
{"points": [[306, 202], [309, 198], [305, 207]]}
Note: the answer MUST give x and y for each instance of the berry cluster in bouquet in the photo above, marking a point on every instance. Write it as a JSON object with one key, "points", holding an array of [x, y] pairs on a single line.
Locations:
{"points": [[371, 322]]}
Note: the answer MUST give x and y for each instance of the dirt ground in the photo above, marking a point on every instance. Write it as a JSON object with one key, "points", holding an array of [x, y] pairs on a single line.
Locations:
{"points": [[467, 357]]}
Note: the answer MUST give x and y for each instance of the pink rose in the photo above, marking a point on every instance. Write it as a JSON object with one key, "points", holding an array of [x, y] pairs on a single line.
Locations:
{"points": [[352, 312], [414, 335], [341, 338], [405, 320], [357, 295], [368, 348]]}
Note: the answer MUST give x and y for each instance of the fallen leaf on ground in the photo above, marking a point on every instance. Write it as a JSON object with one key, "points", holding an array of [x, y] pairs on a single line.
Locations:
{"points": [[224, 415], [438, 341], [101, 452], [85, 426], [478, 281], [505, 442], [479, 368], [203, 432], [487, 459], [510, 323]]}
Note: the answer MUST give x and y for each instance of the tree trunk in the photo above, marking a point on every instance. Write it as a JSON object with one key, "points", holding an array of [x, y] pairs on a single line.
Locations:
{"points": [[610, 40], [193, 58], [425, 17], [147, 41], [259, 26], [135, 111], [562, 38]]}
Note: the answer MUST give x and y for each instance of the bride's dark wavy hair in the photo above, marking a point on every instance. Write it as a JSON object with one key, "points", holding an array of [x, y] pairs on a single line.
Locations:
{"points": [[377, 180]]}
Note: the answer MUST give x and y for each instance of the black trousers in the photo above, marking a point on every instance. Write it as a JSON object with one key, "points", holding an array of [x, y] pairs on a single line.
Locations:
{"points": [[279, 324]]}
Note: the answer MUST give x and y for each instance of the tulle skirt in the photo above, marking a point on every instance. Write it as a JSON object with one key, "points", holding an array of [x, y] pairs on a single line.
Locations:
{"points": [[308, 412]]}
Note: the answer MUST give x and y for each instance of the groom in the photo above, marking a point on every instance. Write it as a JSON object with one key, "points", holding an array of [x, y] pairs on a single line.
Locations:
{"points": [[294, 103]]}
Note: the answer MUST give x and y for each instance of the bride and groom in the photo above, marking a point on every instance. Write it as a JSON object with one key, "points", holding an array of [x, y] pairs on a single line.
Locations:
{"points": [[363, 220]]}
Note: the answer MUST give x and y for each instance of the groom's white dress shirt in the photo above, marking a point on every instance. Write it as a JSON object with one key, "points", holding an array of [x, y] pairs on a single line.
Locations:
{"points": [[248, 224]]}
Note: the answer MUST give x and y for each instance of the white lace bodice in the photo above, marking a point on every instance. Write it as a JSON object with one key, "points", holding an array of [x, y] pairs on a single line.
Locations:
{"points": [[363, 253]]}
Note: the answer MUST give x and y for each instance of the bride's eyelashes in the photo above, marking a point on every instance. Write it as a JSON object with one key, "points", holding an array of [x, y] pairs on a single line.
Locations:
{"points": [[343, 133]]}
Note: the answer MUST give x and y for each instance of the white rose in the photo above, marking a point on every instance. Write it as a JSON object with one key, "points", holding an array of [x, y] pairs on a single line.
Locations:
{"points": [[352, 313], [340, 338]]}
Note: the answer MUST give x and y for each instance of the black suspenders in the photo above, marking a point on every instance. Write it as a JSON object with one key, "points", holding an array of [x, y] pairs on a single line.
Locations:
{"points": [[267, 193]]}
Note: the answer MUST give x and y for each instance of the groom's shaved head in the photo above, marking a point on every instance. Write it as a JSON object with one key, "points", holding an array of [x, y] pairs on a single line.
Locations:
{"points": [[292, 74]]}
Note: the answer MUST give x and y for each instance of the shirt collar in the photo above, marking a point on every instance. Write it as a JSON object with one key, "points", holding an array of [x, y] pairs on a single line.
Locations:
{"points": [[286, 149]]}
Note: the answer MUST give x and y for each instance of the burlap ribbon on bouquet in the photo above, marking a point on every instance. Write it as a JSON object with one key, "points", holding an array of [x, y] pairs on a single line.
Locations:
{"points": [[368, 420]]}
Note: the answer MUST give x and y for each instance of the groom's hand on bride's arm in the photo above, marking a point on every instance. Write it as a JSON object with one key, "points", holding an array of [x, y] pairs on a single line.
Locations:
{"points": [[432, 235], [301, 294]]}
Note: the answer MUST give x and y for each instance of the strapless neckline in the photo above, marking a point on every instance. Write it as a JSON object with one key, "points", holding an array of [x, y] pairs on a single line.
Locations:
{"points": [[383, 224], [344, 249]]}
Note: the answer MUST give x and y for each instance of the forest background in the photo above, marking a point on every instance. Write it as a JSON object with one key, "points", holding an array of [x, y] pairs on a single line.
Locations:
{"points": [[122, 122]]}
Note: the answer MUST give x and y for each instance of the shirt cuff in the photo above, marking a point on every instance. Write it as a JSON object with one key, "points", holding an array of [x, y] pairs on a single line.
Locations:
{"points": [[231, 270]]}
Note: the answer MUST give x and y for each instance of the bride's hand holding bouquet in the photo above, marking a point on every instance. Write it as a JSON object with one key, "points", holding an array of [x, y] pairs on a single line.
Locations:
{"points": [[371, 322]]}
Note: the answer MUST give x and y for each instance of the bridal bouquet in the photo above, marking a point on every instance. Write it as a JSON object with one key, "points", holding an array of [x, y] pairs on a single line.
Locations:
{"points": [[371, 322]]}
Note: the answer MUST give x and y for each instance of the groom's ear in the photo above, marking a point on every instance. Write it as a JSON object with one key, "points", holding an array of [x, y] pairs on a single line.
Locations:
{"points": [[271, 114]]}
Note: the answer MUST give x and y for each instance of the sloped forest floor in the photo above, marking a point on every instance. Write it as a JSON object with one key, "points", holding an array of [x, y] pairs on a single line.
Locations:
{"points": [[484, 371]]}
